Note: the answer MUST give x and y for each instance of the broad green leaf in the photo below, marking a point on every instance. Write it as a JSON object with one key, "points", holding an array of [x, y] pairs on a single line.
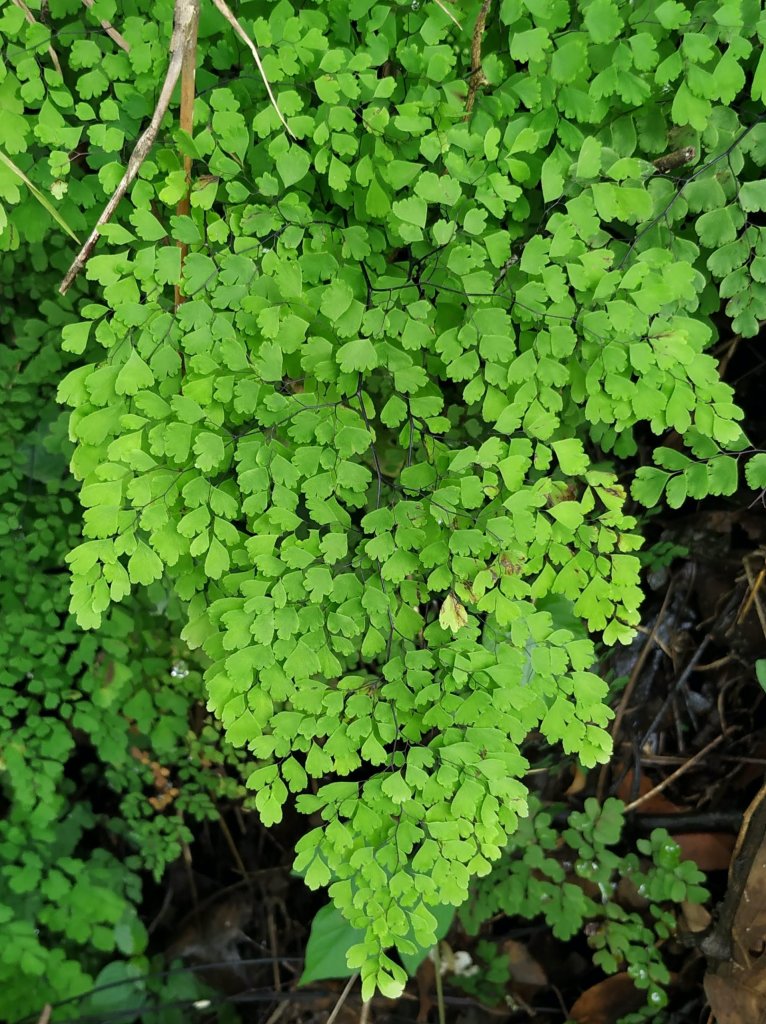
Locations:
{"points": [[330, 939]]}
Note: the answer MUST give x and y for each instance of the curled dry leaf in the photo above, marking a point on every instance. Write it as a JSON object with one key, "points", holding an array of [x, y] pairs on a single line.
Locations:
{"points": [[578, 783], [695, 917]]}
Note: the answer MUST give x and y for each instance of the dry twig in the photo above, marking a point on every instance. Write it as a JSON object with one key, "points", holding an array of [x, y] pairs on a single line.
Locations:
{"points": [[674, 775], [274, 946], [449, 13], [32, 21], [731, 347], [278, 1012], [681, 683], [182, 43], [342, 998], [45, 1014], [39, 196], [186, 124], [478, 78], [110, 30], [226, 11], [184, 22], [753, 596], [627, 693]]}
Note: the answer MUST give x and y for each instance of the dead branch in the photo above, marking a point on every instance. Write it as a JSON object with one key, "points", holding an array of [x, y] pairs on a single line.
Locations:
{"points": [[755, 585], [699, 756], [185, 17], [226, 11], [111, 31], [718, 943], [627, 693], [32, 21], [342, 998], [478, 78], [449, 14], [186, 123], [182, 46], [677, 158]]}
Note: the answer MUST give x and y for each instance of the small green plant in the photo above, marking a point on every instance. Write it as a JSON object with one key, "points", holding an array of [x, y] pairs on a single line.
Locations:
{"points": [[660, 555], [488, 980], [148, 991], [570, 878]]}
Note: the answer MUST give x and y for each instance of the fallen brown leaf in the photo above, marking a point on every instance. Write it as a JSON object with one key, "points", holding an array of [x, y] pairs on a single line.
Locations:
{"points": [[750, 921], [607, 1001], [710, 851], [526, 972], [737, 995], [735, 984]]}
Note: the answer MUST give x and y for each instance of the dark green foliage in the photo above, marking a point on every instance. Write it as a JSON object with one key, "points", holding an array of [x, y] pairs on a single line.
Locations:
{"points": [[79, 712], [534, 878]]}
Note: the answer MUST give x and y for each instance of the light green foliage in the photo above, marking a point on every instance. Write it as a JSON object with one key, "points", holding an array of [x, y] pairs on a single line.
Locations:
{"points": [[534, 878], [374, 446]]}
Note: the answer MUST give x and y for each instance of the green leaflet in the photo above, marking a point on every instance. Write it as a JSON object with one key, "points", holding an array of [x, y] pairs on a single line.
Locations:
{"points": [[374, 446]]}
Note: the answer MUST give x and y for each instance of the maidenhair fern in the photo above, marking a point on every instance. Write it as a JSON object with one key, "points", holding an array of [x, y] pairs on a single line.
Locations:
{"points": [[374, 450]]}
